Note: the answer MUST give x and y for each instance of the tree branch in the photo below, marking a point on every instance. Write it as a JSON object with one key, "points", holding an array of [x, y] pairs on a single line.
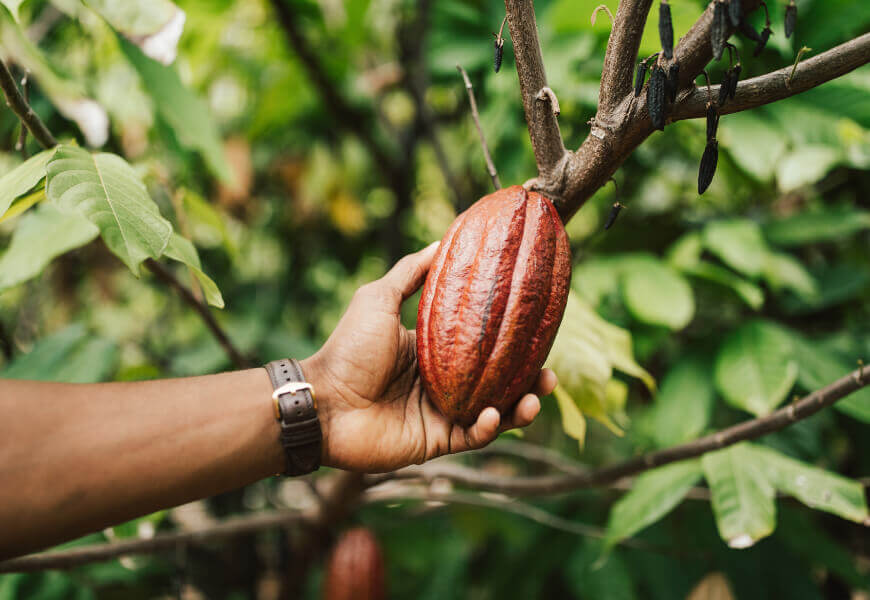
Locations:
{"points": [[621, 55], [490, 166], [556, 484], [550, 152], [774, 86], [167, 277], [22, 109]]}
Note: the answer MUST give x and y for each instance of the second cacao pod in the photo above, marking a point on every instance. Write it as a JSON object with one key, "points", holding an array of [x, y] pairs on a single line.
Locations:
{"points": [[492, 302], [355, 570]]}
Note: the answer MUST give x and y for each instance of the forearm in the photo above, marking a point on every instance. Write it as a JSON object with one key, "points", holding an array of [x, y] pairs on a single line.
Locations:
{"points": [[76, 458]]}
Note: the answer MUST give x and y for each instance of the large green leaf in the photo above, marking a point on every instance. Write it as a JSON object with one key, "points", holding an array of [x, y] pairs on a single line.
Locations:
{"points": [[656, 294], [67, 356], [589, 575], [818, 367], [12, 6], [683, 405], [814, 487], [105, 189], [573, 422], [806, 165], [40, 236], [738, 243], [186, 113], [653, 495], [782, 271], [828, 224], [755, 367], [153, 25], [742, 498], [23, 178], [184, 251]]}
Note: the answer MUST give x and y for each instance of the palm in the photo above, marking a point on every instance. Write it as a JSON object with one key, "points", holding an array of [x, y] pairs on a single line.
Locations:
{"points": [[376, 394]]}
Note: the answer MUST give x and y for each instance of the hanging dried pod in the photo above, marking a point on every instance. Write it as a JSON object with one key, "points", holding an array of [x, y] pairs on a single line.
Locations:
{"points": [[790, 18], [499, 54], [655, 97], [719, 30], [712, 121], [759, 46], [748, 31], [639, 78], [673, 81], [614, 212], [735, 77], [708, 165], [725, 87], [666, 29], [735, 12]]}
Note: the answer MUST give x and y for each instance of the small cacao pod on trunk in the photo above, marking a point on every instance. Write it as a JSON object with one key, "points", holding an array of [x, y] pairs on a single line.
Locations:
{"points": [[492, 302], [355, 570]]}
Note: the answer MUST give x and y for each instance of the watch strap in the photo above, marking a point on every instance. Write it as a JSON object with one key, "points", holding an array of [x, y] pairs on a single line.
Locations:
{"points": [[296, 412]]}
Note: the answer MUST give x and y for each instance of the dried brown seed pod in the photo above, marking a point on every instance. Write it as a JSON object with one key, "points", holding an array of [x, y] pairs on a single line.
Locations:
{"points": [[499, 53], [673, 81], [666, 29], [719, 30], [790, 18], [712, 121], [735, 78], [759, 46], [708, 165], [725, 87], [735, 12], [639, 78], [655, 97], [749, 31], [614, 212]]}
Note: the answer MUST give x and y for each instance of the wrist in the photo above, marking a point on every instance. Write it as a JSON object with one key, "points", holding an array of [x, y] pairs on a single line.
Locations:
{"points": [[312, 370]]}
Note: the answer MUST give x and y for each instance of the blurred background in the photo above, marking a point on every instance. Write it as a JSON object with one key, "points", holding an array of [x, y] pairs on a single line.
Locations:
{"points": [[344, 140]]}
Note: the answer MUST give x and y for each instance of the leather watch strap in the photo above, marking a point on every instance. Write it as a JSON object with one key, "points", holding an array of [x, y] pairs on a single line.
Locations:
{"points": [[296, 413]]}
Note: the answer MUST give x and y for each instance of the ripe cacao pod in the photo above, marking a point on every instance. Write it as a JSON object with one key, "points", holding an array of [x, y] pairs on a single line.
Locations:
{"points": [[492, 302], [356, 568]]}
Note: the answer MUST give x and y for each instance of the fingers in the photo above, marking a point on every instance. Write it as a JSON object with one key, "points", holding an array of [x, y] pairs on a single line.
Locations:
{"points": [[408, 274], [524, 412], [546, 383], [484, 430]]}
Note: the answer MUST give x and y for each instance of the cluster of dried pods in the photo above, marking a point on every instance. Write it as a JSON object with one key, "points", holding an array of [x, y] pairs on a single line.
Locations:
{"points": [[664, 69]]}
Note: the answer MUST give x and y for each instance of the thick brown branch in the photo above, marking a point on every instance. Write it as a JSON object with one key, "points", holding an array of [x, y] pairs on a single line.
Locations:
{"points": [[22, 109], [621, 55], [167, 277], [490, 166], [555, 484], [774, 86], [547, 143]]}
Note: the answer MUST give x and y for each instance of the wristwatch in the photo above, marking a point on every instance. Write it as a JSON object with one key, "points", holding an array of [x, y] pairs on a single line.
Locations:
{"points": [[296, 413]]}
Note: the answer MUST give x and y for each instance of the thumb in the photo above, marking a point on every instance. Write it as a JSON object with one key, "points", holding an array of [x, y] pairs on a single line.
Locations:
{"points": [[408, 274]]}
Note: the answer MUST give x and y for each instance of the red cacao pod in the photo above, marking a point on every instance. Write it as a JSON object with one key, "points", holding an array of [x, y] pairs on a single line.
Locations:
{"points": [[356, 568], [492, 302]]}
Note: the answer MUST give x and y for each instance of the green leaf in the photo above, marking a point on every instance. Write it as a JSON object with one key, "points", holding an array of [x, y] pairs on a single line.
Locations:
{"points": [[755, 368], [105, 189], [186, 114], [184, 251], [153, 25], [739, 244], [747, 291], [782, 271], [40, 236], [23, 178], [573, 422], [653, 495], [588, 575], [814, 487], [656, 294], [66, 356], [828, 224], [742, 497], [12, 6], [683, 405], [806, 165], [819, 367], [686, 251]]}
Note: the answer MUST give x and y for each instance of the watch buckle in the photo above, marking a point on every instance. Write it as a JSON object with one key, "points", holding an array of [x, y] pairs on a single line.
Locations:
{"points": [[291, 387]]}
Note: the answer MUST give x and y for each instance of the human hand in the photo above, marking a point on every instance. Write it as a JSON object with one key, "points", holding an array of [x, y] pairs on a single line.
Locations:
{"points": [[374, 411]]}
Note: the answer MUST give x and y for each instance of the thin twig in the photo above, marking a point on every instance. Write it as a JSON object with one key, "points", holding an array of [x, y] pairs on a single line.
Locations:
{"points": [[21, 144], [797, 59], [775, 85], [167, 277], [22, 109], [490, 167], [555, 484], [605, 9]]}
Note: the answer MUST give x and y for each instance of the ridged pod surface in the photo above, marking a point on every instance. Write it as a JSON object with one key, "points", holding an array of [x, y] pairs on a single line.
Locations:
{"points": [[492, 302], [356, 568]]}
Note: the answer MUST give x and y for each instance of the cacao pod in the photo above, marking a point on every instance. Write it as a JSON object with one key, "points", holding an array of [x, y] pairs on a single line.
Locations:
{"points": [[492, 302], [356, 568]]}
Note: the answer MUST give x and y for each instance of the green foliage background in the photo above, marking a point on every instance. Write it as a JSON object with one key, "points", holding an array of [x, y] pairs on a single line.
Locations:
{"points": [[691, 314]]}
